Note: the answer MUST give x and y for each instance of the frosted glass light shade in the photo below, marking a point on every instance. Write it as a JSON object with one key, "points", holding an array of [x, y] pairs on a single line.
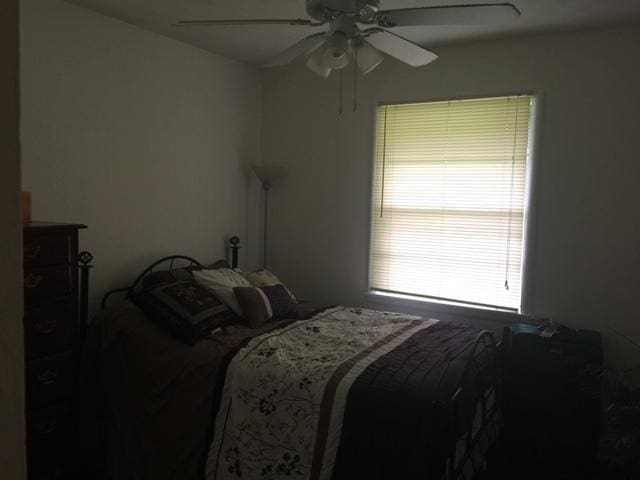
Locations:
{"points": [[268, 174], [336, 53], [335, 58], [315, 63], [368, 58]]}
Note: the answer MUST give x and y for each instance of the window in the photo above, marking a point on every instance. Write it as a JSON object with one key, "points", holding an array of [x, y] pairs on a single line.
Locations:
{"points": [[449, 198]]}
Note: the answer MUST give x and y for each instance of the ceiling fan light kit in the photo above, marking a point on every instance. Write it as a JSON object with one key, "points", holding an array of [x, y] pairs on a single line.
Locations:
{"points": [[345, 39]]}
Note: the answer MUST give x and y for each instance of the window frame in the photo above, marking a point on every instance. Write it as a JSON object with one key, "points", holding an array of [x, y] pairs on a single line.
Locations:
{"points": [[432, 303]]}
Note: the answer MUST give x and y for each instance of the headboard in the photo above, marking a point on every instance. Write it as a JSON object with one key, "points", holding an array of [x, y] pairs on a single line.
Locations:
{"points": [[171, 262]]}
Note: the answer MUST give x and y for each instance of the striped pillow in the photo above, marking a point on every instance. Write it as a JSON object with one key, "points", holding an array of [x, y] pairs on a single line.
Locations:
{"points": [[266, 278], [261, 304]]}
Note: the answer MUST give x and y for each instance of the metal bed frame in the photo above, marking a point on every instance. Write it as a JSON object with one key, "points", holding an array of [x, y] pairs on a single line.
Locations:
{"points": [[171, 260], [480, 387]]}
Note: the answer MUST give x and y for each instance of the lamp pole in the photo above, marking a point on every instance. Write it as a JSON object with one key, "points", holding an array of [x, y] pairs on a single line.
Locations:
{"points": [[265, 186], [267, 174]]}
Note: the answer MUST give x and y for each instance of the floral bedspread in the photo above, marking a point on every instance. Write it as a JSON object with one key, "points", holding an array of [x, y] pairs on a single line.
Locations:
{"points": [[283, 402]]}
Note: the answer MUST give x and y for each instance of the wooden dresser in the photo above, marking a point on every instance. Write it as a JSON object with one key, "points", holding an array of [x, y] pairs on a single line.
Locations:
{"points": [[51, 332]]}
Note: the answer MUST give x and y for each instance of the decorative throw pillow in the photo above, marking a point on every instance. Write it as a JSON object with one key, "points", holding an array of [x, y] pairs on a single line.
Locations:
{"points": [[266, 278], [261, 304], [185, 308], [222, 282]]}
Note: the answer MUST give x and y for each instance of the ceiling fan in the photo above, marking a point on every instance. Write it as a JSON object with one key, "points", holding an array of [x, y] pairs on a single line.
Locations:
{"points": [[345, 39]]}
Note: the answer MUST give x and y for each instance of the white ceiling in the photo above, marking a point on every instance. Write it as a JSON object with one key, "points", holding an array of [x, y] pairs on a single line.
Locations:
{"points": [[255, 44]]}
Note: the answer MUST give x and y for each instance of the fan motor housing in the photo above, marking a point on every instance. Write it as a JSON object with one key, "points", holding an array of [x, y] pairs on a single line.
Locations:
{"points": [[328, 10]]}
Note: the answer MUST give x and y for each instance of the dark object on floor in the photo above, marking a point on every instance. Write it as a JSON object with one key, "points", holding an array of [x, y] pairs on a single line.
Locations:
{"points": [[504, 464], [619, 455], [553, 397]]}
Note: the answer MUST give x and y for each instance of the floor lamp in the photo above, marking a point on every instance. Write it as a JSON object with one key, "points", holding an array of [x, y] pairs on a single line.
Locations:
{"points": [[267, 174]]}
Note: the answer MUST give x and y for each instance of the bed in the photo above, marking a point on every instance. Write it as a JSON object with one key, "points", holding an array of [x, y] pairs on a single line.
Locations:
{"points": [[334, 393]]}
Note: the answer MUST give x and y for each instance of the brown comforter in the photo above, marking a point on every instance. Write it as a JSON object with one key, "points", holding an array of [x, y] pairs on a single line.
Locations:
{"points": [[146, 401], [156, 399]]}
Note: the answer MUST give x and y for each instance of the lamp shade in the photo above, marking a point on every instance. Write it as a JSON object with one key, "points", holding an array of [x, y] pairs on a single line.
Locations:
{"points": [[336, 53], [315, 63], [269, 173]]}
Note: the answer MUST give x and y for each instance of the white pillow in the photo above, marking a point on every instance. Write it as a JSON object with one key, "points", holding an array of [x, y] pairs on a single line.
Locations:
{"points": [[222, 281]]}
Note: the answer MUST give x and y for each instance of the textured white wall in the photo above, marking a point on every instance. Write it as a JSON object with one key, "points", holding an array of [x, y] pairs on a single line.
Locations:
{"points": [[144, 139], [585, 232], [12, 434]]}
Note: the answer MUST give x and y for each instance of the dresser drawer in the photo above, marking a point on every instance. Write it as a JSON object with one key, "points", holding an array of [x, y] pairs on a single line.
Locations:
{"points": [[49, 329], [43, 250], [47, 282], [47, 434], [45, 470], [49, 379]]}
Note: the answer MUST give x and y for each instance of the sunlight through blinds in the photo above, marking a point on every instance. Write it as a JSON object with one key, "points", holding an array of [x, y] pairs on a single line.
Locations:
{"points": [[448, 199]]}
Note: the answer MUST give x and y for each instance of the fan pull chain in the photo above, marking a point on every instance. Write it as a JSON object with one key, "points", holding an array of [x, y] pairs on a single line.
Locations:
{"points": [[384, 162], [340, 95], [355, 78]]}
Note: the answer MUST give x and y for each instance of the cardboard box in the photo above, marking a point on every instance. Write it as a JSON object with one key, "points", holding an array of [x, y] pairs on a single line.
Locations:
{"points": [[26, 207]]}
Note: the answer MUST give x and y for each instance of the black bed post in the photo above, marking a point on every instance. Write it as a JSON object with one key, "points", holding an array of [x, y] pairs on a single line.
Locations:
{"points": [[84, 259], [234, 241]]}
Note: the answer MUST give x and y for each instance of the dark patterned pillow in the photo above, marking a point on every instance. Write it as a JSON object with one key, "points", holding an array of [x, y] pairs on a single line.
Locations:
{"points": [[187, 310], [261, 304]]}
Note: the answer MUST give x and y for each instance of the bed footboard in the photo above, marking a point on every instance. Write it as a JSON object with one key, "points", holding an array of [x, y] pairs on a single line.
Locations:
{"points": [[476, 418]]}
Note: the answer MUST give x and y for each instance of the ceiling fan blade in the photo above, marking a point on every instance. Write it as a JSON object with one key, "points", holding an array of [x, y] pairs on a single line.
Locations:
{"points": [[472, 14], [266, 21], [400, 48], [303, 47]]}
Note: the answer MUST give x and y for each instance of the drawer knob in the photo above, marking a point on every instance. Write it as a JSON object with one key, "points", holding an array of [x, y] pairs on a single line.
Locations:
{"points": [[32, 251], [48, 377], [53, 474], [32, 280], [46, 326], [47, 427]]}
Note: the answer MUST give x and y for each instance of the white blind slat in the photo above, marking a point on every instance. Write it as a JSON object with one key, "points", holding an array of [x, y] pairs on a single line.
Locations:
{"points": [[449, 197]]}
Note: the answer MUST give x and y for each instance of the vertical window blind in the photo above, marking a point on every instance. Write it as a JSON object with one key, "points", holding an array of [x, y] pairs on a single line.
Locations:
{"points": [[449, 199]]}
